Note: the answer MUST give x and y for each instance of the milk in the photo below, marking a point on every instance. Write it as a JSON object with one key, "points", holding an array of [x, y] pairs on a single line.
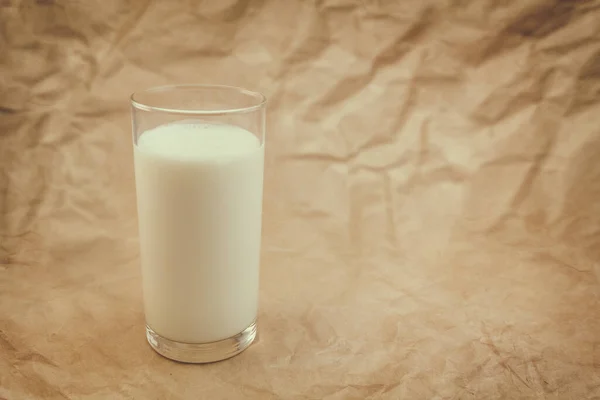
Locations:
{"points": [[199, 190]]}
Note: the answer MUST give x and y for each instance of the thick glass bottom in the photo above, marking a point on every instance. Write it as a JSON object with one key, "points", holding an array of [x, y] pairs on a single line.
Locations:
{"points": [[202, 352]]}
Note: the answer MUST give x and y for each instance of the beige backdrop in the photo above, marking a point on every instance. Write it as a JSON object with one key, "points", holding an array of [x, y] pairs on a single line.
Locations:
{"points": [[432, 203]]}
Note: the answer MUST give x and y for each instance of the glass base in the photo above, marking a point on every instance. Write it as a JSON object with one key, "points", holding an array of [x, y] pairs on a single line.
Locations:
{"points": [[202, 352]]}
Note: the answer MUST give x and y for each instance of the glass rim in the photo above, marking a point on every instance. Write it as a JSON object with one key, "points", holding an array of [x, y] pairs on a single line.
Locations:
{"points": [[260, 98]]}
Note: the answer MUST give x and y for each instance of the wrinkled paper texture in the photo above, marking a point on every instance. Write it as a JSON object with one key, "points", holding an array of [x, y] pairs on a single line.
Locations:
{"points": [[432, 196]]}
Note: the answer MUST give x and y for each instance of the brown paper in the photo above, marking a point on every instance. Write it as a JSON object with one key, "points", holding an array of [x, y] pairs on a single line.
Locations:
{"points": [[432, 199]]}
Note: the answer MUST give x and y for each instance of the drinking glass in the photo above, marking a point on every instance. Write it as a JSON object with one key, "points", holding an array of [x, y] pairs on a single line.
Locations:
{"points": [[199, 160]]}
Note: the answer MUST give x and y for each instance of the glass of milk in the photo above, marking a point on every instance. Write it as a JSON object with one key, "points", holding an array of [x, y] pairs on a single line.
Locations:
{"points": [[199, 155]]}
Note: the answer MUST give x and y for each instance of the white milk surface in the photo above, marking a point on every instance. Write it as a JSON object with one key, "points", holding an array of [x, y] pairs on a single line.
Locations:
{"points": [[199, 190]]}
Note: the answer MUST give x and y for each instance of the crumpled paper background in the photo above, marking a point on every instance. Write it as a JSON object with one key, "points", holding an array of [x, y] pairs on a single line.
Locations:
{"points": [[432, 199]]}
